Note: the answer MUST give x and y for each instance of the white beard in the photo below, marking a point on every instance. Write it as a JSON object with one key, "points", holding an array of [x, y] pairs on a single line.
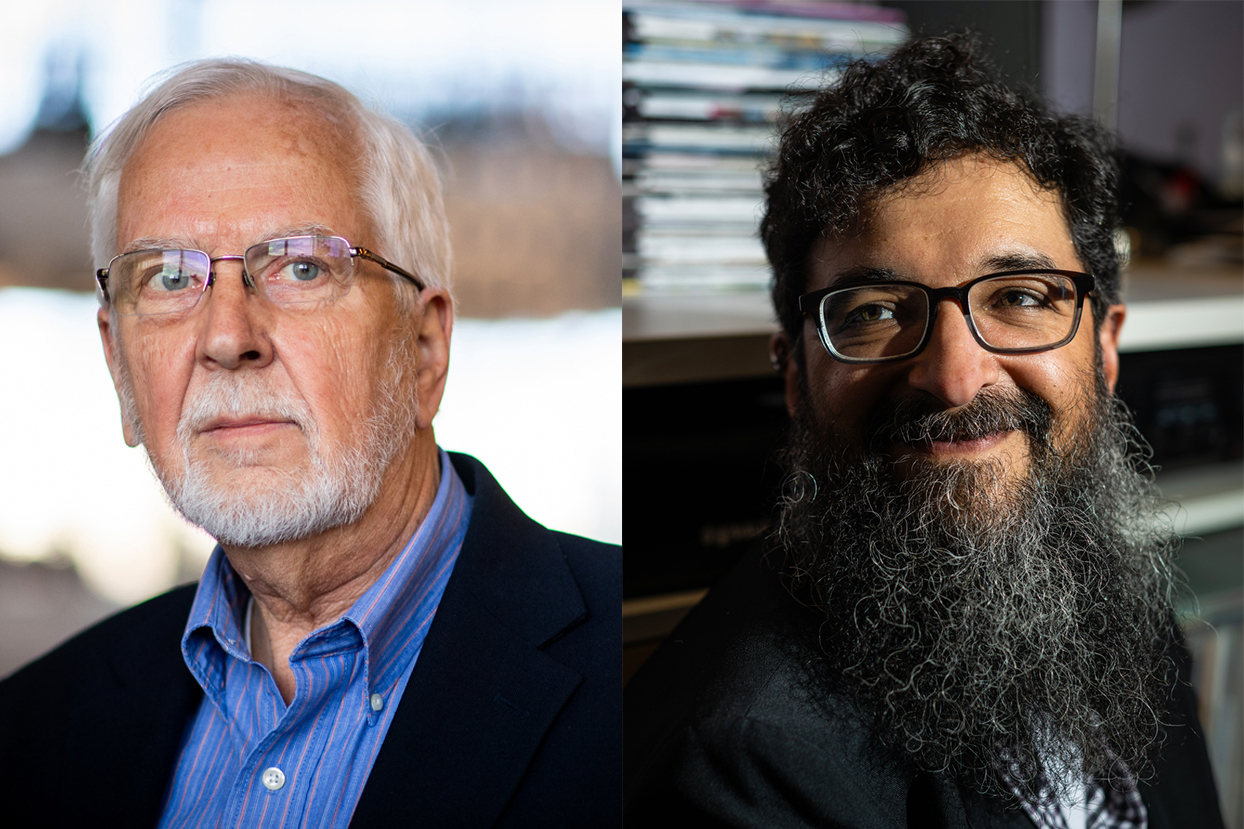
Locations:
{"points": [[339, 487]]}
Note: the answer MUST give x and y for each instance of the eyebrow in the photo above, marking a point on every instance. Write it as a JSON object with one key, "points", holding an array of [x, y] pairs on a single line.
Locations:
{"points": [[184, 243], [1018, 261], [862, 274]]}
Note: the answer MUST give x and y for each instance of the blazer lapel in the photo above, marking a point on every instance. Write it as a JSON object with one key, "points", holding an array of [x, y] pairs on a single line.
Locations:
{"points": [[483, 693]]}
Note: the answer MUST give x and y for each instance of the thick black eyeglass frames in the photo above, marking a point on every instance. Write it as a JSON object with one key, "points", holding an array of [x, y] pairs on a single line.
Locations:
{"points": [[1012, 312]]}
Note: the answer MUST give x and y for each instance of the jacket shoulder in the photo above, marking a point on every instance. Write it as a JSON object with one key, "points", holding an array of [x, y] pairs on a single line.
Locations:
{"points": [[597, 568], [724, 725], [508, 557], [101, 653], [89, 732]]}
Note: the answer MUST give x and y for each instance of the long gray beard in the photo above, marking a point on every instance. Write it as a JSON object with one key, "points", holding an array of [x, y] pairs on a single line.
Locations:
{"points": [[983, 622]]}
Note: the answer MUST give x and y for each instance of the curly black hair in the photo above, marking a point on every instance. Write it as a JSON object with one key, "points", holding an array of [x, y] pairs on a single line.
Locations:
{"points": [[933, 100]]}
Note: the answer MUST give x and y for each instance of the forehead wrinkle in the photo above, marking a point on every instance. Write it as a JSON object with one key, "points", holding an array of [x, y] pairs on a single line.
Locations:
{"points": [[187, 243], [157, 243], [865, 253], [1015, 260], [323, 144]]}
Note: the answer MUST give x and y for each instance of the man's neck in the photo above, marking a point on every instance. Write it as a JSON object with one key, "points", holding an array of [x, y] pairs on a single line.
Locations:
{"points": [[300, 586]]}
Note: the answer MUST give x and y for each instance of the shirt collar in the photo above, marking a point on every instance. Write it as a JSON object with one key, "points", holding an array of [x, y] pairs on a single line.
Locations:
{"points": [[395, 613], [392, 616], [1108, 804]]}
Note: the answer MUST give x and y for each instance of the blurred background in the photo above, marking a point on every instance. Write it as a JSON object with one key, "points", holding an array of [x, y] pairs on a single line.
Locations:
{"points": [[522, 101], [703, 83]]}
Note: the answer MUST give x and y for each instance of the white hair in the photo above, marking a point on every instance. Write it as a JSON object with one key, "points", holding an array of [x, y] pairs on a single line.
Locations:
{"points": [[399, 184]]}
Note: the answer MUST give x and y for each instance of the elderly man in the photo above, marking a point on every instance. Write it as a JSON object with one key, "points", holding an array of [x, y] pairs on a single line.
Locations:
{"points": [[965, 617], [381, 637]]}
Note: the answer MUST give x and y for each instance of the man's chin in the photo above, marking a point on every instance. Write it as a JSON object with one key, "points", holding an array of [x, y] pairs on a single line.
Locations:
{"points": [[260, 506]]}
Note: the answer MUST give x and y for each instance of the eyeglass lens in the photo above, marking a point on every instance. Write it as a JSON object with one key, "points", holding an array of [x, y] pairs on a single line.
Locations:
{"points": [[1017, 312], [291, 271]]}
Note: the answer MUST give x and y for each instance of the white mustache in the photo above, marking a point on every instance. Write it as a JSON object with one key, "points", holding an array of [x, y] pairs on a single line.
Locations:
{"points": [[240, 396]]}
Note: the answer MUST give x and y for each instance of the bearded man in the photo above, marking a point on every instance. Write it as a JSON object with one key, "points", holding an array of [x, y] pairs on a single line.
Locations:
{"points": [[964, 617], [381, 638]]}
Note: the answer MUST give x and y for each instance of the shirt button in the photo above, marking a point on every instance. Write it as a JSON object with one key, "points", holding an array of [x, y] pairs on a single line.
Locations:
{"points": [[273, 778], [377, 702]]}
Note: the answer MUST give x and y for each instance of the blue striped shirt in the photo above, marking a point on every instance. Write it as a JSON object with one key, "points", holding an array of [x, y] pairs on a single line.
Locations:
{"points": [[246, 758]]}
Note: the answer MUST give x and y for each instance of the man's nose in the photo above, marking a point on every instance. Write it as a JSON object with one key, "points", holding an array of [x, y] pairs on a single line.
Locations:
{"points": [[234, 323], [953, 366]]}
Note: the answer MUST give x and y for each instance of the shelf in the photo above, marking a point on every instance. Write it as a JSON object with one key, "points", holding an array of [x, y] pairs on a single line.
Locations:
{"points": [[1208, 498], [653, 617], [1171, 308]]}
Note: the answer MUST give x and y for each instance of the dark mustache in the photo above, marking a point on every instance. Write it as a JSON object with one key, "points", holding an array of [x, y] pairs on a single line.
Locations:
{"points": [[922, 419]]}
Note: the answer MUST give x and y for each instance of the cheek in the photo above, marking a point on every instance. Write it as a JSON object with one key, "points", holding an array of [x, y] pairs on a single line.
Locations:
{"points": [[842, 395], [1062, 376], [1065, 379], [334, 365], [160, 373]]}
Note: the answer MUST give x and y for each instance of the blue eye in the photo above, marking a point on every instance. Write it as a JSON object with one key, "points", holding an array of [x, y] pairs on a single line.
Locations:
{"points": [[304, 271], [169, 279]]}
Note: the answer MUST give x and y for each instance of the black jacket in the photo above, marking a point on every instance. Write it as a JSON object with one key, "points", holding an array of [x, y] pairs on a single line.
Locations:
{"points": [[722, 731], [512, 716]]}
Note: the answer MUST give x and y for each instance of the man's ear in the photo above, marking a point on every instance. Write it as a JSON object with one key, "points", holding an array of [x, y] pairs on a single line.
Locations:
{"points": [[108, 337], [435, 332], [781, 354], [1108, 338]]}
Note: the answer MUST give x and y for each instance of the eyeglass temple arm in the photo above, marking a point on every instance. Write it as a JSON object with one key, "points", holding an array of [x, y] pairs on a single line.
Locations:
{"points": [[101, 277], [385, 263]]}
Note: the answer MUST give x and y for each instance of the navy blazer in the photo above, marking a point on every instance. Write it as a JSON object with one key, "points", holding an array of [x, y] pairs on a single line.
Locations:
{"points": [[511, 717]]}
